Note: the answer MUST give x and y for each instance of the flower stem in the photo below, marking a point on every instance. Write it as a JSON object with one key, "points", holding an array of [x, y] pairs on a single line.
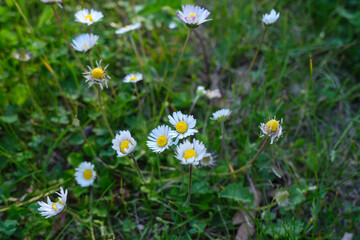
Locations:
{"points": [[66, 38], [173, 78], [189, 189], [172, 149], [91, 213], [193, 103], [223, 147], [104, 115], [137, 167], [256, 53]]}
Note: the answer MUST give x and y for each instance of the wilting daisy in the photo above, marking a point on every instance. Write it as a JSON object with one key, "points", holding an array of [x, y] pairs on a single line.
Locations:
{"points": [[85, 174], [133, 78], [271, 129], [190, 153], [184, 125], [53, 1], [50, 208], [213, 93], [88, 16], [84, 42], [208, 160], [97, 75], [123, 143], [193, 16], [128, 28], [270, 18], [22, 55], [281, 198], [160, 139], [221, 114]]}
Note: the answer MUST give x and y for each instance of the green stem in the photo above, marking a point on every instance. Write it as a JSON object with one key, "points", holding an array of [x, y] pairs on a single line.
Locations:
{"points": [[137, 167], [189, 189], [256, 53], [104, 114], [173, 78], [91, 214]]}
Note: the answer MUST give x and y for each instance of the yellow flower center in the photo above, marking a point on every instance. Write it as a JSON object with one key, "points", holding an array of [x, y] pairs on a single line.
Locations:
{"points": [[54, 206], [89, 17], [124, 145], [133, 78], [88, 174], [181, 127], [97, 73], [85, 46], [272, 125], [162, 141], [189, 154], [61, 202], [127, 26], [191, 15]]}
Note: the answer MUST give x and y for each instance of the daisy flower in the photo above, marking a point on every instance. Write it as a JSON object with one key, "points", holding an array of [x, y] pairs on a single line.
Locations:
{"points": [[97, 75], [84, 42], [133, 78], [22, 55], [184, 125], [213, 93], [193, 16], [200, 90], [123, 143], [270, 18], [281, 198], [50, 208], [85, 174], [88, 16], [271, 129], [128, 28], [221, 115], [208, 160], [53, 1], [159, 139], [190, 153]]}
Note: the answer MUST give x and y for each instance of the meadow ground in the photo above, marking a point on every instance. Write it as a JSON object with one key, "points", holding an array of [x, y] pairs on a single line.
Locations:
{"points": [[306, 73]]}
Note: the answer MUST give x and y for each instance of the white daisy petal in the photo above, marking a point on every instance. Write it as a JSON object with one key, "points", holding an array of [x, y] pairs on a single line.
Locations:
{"points": [[184, 125], [128, 28], [221, 114], [97, 75], [133, 78], [160, 139], [85, 174], [190, 153], [123, 143], [272, 129], [88, 16], [270, 18], [50, 208], [84, 42]]}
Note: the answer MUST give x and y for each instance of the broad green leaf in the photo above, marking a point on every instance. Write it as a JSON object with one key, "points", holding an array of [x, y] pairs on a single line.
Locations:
{"points": [[238, 193]]}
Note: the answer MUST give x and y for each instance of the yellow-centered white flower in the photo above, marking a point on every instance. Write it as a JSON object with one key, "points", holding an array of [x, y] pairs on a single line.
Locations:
{"points": [[270, 18], [50, 208], [160, 139], [133, 78], [84, 42], [221, 114], [272, 129], [97, 75], [88, 16], [200, 91], [128, 28], [22, 55], [85, 174], [184, 125], [190, 153], [123, 143], [193, 16]]}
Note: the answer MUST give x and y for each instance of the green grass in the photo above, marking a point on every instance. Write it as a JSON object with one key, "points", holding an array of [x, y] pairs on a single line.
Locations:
{"points": [[40, 147]]}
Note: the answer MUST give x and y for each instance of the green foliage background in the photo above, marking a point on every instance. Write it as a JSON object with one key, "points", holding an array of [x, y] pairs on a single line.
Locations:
{"points": [[40, 147]]}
